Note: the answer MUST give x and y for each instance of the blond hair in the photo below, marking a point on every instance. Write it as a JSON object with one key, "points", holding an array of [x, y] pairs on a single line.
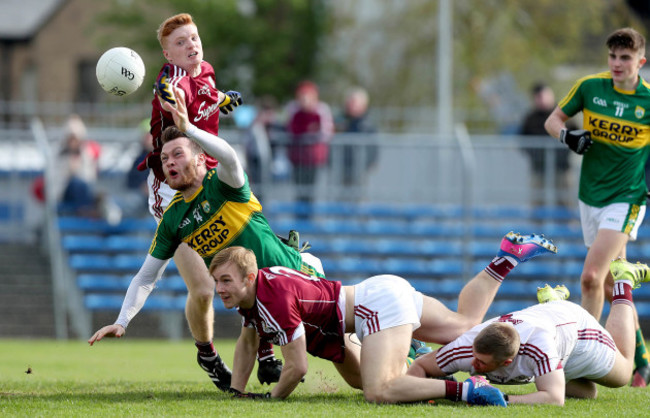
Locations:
{"points": [[243, 258], [171, 24]]}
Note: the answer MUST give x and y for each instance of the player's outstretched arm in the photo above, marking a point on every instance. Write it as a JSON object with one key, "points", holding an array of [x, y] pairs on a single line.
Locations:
{"points": [[230, 169], [244, 359], [139, 290], [294, 369], [550, 390]]}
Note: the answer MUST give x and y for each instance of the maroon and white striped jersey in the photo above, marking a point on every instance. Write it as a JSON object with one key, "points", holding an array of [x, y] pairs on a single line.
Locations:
{"points": [[549, 334], [290, 304], [202, 99]]}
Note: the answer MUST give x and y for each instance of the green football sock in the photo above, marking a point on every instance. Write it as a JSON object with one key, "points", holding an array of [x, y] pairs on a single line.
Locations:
{"points": [[640, 353]]}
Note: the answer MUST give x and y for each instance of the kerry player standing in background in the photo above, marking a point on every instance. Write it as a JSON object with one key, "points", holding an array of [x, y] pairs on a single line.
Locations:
{"points": [[614, 141]]}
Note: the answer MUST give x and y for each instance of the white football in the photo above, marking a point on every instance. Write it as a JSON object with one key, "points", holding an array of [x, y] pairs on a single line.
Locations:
{"points": [[120, 71]]}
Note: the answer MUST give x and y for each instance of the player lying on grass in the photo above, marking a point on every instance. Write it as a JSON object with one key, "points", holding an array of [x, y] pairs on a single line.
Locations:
{"points": [[212, 209], [304, 314], [557, 345]]}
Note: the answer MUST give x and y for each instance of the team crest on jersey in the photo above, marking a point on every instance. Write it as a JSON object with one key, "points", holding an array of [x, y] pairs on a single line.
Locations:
{"points": [[204, 90], [639, 112], [206, 206]]}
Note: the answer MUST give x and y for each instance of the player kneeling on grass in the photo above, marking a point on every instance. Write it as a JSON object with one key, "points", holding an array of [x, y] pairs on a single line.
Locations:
{"points": [[558, 345], [304, 314]]}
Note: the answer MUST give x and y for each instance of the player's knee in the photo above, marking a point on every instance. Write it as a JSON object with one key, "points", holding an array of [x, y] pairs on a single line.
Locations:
{"points": [[200, 296], [376, 394], [373, 396], [591, 280]]}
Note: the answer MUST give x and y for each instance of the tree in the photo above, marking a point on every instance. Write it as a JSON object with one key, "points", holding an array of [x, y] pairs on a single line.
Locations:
{"points": [[390, 46], [259, 47]]}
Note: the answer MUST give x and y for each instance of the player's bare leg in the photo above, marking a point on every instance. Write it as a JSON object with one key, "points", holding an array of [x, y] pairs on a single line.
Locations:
{"points": [[383, 355], [477, 295], [199, 310], [200, 313], [622, 319], [382, 369], [608, 245], [350, 369]]}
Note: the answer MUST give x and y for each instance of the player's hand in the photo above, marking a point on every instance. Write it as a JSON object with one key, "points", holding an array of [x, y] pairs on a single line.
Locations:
{"points": [[578, 140], [110, 331], [231, 100], [162, 86], [178, 111], [249, 395]]}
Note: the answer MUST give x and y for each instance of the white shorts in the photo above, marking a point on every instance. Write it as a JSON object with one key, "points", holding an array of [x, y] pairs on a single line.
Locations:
{"points": [[160, 195], [594, 353], [313, 261], [622, 217], [383, 302]]}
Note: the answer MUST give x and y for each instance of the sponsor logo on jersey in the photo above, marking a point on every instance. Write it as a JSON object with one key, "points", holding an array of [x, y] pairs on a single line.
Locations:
{"points": [[218, 231], [208, 239], [204, 112], [612, 130], [639, 112]]}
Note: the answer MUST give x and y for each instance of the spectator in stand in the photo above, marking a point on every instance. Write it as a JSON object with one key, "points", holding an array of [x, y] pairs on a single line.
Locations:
{"points": [[356, 158], [533, 125], [310, 129], [136, 201], [259, 147], [77, 170]]}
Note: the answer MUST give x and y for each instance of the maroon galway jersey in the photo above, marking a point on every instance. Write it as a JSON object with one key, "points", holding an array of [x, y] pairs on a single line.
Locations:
{"points": [[290, 304], [202, 99]]}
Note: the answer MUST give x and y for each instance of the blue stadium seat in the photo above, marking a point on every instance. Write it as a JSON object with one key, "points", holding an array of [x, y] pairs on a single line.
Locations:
{"points": [[437, 229], [555, 213], [90, 262], [510, 213], [340, 227], [558, 231], [103, 282], [438, 248], [172, 283], [385, 227], [128, 243], [501, 307], [405, 266], [128, 262], [103, 302], [83, 243], [571, 250], [517, 288], [445, 267], [544, 269]]}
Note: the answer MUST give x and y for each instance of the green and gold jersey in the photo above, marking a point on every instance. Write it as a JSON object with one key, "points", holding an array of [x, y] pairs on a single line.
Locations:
{"points": [[619, 121], [219, 216]]}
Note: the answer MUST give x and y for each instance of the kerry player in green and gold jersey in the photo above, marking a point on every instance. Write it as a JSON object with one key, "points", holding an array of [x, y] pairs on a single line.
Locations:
{"points": [[615, 142], [212, 209]]}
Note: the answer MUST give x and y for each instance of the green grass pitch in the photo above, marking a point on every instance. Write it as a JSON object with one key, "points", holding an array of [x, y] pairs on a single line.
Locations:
{"points": [[138, 378]]}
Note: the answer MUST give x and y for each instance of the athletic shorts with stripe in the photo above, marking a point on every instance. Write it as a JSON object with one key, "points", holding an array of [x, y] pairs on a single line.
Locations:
{"points": [[385, 301]]}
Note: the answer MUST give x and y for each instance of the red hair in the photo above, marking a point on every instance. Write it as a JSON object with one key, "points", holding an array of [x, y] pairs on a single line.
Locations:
{"points": [[171, 24]]}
